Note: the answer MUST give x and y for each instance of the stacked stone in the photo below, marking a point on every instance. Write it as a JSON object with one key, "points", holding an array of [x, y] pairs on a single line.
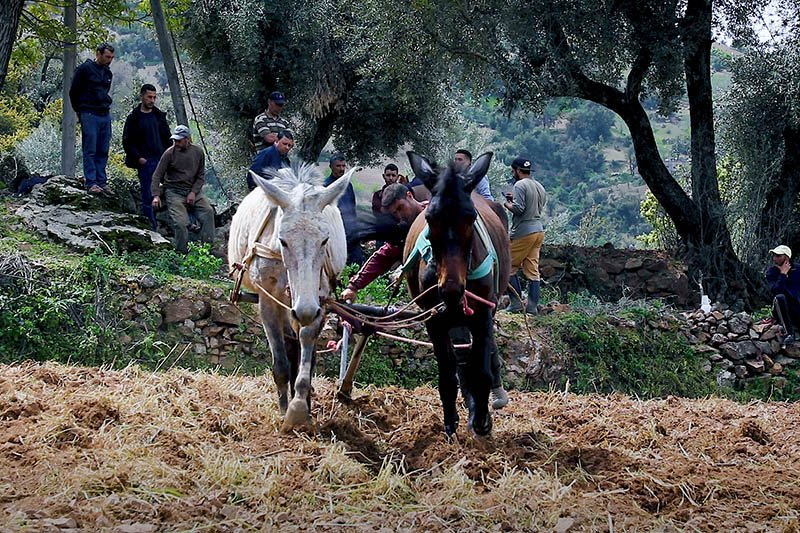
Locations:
{"points": [[739, 348], [203, 319]]}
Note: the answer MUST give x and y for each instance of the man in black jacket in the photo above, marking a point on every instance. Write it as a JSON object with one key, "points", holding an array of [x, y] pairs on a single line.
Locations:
{"points": [[145, 137], [90, 98]]}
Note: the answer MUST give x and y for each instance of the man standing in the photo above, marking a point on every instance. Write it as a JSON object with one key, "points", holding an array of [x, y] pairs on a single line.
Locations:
{"points": [[89, 96], [268, 124], [390, 175], [784, 283], [182, 170], [347, 207], [275, 156], [526, 204], [145, 137], [463, 160]]}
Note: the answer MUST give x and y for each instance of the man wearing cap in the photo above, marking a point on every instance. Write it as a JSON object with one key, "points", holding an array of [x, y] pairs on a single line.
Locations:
{"points": [[347, 207], [90, 98], [275, 157], [145, 137], [180, 175], [784, 283], [463, 160], [268, 124], [526, 204]]}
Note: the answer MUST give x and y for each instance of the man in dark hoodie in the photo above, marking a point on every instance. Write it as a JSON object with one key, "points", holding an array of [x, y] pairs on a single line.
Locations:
{"points": [[145, 137], [89, 96]]}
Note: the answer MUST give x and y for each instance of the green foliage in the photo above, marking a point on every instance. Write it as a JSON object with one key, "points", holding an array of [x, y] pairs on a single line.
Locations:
{"points": [[199, 263], [638, 360]]}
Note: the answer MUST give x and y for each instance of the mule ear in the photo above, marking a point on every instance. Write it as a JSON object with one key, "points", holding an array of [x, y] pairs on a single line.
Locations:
{"points": [[478, 170], [276, 195], [333, 191], [423, 169]]}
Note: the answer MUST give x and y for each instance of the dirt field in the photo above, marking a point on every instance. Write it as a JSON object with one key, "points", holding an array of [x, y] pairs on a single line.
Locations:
{"points": [[130, 451]]}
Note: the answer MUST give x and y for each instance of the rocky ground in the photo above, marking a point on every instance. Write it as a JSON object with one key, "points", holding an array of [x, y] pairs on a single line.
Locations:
{"points": [[86, 449]]}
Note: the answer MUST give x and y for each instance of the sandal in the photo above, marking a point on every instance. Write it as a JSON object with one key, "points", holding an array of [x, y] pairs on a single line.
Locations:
{"points": [[95, 189], [107, 190]]}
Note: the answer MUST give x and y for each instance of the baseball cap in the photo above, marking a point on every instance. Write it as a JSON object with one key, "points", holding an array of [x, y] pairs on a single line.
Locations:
{"points": [[180, 132], [782, 250], [521, 163], [277, 97]]}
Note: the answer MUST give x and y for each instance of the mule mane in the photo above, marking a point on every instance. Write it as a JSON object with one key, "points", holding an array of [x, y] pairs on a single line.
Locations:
{"points": [[299, 174]]}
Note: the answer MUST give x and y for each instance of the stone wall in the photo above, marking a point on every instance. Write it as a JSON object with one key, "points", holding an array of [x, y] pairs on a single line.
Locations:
{"points": [[611, 274]]}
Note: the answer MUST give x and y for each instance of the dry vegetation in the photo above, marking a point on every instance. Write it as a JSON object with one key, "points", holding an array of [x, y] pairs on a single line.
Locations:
{"points": [[136, 452]]}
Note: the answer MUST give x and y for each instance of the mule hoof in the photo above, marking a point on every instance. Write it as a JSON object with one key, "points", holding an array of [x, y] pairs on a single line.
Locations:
{"points": [[483, 428], [296, 415], [450, 429]]}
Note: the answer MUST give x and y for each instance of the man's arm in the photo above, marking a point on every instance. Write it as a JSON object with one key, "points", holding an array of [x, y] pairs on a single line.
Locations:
{"points": [[378, 263], [76, 87], [517, 204], [128, 143], [200, 177], [158, 174]]}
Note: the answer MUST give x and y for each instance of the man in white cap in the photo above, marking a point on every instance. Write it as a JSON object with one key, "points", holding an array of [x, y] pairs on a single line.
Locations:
{"points": [[180, 176], [784, 283]]}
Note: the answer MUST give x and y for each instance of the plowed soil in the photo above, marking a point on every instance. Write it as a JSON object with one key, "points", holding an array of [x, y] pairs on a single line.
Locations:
{"points": [[130, 451]]}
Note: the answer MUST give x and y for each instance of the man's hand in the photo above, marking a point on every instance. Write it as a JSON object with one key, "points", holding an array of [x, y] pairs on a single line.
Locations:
{"points": [[785, 267], [142, 161], [190, 198], [270, 138], [156, 202], [349, 295]]}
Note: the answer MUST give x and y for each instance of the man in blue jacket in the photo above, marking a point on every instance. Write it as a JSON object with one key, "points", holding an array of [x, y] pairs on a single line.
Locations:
{"points": [[784, 283], [347, 207], [90, 98], [275, 157], [145, 137]]}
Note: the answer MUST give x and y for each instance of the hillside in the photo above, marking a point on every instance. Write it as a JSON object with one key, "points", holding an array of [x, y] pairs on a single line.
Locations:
{"points": [[130, 451]]}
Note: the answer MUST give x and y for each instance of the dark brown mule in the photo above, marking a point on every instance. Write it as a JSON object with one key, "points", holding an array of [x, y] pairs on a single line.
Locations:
{"points": [[455, 264]]}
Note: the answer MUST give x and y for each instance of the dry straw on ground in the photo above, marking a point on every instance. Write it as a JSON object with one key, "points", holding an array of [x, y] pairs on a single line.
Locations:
{"points": [[136, 452]]}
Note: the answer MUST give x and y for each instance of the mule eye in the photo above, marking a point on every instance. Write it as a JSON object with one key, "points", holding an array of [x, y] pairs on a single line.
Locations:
{"points": [[283, 243]]}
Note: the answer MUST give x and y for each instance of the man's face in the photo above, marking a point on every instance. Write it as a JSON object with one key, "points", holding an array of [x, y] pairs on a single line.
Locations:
{"points": [[104, 59], [284, 145], [148, 99], [403, 210], [779, 259], [182, 143], [274, 107], [338, 168], [390, 176], [462, 162]]}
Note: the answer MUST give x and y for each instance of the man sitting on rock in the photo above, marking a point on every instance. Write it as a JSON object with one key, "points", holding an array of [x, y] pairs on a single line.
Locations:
{"points": [[784, 283], [180, 176]]}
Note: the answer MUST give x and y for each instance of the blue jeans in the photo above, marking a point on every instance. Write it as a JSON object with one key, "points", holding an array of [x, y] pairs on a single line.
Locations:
{"points": [[95, 140], [145, 180]]}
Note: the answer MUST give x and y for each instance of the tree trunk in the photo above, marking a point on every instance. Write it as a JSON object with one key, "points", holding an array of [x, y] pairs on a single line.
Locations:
{"points": [[318, 137], [165, 44], [779, 214], [68, 117], [10, 11], [709, 241]]}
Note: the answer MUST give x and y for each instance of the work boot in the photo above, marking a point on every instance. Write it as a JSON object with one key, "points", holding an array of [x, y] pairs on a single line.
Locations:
{"points": [[514, 298], [499, 397], [532, 308]]}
